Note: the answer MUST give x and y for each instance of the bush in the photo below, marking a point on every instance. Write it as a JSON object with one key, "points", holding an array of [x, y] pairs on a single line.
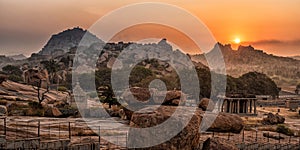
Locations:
{"points": [[62, 89], [93, 94], [284, 130], [15, 78]]}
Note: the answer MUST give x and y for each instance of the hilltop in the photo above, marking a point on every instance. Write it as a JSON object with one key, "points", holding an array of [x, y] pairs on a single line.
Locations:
{"points": [[283, 70], [63, 41]]}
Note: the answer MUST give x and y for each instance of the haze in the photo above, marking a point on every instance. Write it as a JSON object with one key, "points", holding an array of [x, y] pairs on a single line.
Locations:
{"points": [[271, 25]]}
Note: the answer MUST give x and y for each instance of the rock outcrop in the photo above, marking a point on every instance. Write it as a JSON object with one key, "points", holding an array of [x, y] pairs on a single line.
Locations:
{"points": [[12, 91], [189, 136], [272, 119]]}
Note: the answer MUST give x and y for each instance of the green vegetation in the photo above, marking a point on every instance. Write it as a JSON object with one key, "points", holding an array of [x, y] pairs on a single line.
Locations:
{"points": [[52, 68], [284, 130], [251, 83], [138, 74], [62, 89], [14, 73]]}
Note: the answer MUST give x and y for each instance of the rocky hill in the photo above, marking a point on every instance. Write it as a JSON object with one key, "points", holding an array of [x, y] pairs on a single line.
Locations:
{"points": [[63, 41], [59, 63], [283, 70]]}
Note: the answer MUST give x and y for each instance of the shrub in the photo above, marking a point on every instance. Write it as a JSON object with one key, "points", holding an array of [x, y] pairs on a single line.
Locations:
{"points": [[93, 94], [62, 89], [15, 78], [284, 130]]}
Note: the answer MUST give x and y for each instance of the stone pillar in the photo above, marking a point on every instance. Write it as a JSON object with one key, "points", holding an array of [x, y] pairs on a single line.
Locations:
{"points": [[250, 105], [238, 106], [254, 106], [230, 106], [222, 106], [246, 107]]}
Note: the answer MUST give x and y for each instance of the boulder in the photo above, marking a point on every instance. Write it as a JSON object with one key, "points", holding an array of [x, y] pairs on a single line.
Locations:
{"points": [[173, 98], [225, 122], [136, 94], [218, 144], [272, 119], [56, 112], [3, 110], [52, 112], [206, 104], [187, 138], [189, 135]]}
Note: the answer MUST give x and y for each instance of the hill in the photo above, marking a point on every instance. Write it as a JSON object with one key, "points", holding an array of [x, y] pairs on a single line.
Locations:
{"points": [[65, 40], [283, 70]]}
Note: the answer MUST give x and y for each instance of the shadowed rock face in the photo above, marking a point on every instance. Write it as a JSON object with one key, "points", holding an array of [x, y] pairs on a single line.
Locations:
{"points": [[188, 136]]}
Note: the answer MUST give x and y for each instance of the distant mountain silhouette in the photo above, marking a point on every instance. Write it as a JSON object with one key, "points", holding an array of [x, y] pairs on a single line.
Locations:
{"points": [[67, 39], [296, 57], [283, 70], [18, 57]]}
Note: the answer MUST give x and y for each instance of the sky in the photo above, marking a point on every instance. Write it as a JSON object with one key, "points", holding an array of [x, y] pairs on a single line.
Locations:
{"points": [[271, 25]]}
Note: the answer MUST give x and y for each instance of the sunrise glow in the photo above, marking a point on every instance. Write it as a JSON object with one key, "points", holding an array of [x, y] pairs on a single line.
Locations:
{"points": [[237, 41]]}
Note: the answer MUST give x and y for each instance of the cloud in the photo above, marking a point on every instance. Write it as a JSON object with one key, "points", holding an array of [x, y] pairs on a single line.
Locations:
{"points": [[275, 42], [277, 47]]}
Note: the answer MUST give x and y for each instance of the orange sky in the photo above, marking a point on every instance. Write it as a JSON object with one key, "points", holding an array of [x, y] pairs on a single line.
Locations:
{"points": [[272, 25]]}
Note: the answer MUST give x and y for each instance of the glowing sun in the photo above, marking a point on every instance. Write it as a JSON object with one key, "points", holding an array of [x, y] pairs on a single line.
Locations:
{"points": [[237, 40]]}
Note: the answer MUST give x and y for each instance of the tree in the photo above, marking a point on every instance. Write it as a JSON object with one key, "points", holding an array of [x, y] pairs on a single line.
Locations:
{"points": [[14, 73], [38, 87], [103, 84], [10, 69], [52, 68]]}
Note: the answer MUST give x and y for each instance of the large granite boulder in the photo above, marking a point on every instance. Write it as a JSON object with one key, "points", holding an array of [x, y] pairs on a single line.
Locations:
{"points": [[52, 112], [206, 104], [218, 144], [272, 119], [225, 122], [187, 138]]}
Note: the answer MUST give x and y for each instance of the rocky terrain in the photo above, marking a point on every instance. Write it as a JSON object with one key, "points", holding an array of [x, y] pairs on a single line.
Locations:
{"points": [[21, 99]]}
